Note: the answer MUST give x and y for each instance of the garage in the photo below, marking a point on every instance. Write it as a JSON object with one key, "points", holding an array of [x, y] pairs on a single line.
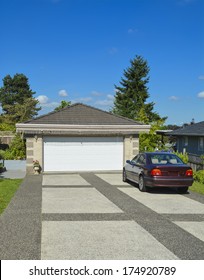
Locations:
{"points": [[82, 153], [80, 138]]}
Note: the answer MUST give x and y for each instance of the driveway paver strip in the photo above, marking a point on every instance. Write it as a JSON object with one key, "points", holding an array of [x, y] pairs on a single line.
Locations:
{"points": [[20, 223]]}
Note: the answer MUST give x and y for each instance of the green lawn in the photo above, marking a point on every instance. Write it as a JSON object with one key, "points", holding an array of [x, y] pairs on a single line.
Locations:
{"points": [[8, 188], [197, 187]]}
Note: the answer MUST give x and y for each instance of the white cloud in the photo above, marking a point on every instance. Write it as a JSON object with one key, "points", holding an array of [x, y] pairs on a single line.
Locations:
{"points": [[201, 77], [82, 100], [201, 94], [96, 93], [85, 99], [106, 102], [174, 98], [132, 30], [63, 93], [185, 2], [50, 105], [113, 50], [44, 102], [110, 96], [116, 90], [43, 99]]}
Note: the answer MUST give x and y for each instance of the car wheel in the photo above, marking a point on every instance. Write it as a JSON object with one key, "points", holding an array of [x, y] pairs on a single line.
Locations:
{"points": [[124, 176], [142, 186], [182, 190]]}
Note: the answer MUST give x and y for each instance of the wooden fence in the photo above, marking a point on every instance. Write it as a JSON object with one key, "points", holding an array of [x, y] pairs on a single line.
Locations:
{"points": [[196, 162], [6, 137]]}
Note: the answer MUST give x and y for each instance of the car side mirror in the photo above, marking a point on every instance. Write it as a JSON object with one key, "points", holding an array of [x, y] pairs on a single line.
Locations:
{"points": [[128, 161]]}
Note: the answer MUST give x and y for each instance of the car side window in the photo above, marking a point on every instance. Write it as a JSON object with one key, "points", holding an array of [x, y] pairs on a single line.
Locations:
{"points": [[134, 160], [141, 160]]}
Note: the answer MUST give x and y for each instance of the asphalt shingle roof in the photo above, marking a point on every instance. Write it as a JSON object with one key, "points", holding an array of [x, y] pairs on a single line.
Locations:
{"points": [[80, 114], [196, 129]]}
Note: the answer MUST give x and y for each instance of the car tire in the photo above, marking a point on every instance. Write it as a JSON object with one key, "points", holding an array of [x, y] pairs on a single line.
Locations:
{"points": [[182, 190], [142, 186], [124, 176]]}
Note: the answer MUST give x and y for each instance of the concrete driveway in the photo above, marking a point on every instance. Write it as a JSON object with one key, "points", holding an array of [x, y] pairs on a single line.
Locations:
{"points": [[97, 216]]}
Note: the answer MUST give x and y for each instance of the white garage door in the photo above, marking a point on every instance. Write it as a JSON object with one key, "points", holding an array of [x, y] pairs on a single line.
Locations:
{"points": [[83, 153]]}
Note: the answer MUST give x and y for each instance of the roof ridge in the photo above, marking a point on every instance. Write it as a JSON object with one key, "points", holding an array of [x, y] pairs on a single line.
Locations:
{"points": [[191, 129], [190, 125]]}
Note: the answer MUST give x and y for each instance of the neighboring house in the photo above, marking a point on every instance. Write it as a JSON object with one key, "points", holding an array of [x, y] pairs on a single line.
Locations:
{"points": [[6, 137], [80, 138], [190, 138]]}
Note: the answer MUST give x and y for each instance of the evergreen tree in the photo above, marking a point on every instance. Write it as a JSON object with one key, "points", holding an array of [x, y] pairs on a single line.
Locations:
{"points": [[17, 99], [131, 95]]}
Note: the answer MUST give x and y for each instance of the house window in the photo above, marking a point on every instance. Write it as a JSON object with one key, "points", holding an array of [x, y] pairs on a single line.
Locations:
{"points": [[185, 140], [201, 143]]}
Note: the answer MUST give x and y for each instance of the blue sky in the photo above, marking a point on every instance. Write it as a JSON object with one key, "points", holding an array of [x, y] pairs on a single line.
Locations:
{"points": [[76, 50]]}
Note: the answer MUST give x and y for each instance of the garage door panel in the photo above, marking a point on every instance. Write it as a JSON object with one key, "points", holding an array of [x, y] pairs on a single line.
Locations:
{"points": [[83, 154]]}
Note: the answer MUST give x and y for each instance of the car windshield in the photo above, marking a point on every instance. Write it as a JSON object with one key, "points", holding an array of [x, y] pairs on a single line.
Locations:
{"points": [[165, 159]]}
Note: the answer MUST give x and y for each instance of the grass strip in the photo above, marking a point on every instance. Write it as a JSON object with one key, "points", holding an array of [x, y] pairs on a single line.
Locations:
{"points": [[197, 187], [8, 187]]}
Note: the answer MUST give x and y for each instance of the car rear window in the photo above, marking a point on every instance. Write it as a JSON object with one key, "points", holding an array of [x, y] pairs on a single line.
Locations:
{"points": [[165, 159]]}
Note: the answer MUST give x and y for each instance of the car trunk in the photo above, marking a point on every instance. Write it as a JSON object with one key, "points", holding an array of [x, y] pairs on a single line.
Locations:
{"points": [[173, 171]]}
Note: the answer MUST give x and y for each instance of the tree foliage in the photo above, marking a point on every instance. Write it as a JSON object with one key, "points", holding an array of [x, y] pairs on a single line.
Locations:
{"points": [[16, 98], [62, 105], [151, 141], [20, 112], [132, 94], [17, 149]]}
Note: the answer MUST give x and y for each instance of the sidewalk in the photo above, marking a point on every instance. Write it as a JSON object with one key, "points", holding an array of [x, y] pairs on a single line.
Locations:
{"points": [[15, 169], [20, 223]]}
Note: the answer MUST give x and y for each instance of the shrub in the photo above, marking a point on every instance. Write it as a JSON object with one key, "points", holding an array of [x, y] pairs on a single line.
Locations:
{"points": [[2, 153], [183, 157], [17, 149], [199, 176]]}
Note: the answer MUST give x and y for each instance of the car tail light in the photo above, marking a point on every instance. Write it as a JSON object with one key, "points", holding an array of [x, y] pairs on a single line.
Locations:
{"points": [[189, 172], [156, 172]]}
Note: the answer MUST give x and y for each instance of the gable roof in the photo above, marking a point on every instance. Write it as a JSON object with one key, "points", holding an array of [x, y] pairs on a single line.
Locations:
{"points": [[80, 114], [196, 129]]}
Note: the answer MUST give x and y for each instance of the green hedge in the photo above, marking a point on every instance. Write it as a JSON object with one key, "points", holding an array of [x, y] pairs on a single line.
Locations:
{"points": [[199, 176]]}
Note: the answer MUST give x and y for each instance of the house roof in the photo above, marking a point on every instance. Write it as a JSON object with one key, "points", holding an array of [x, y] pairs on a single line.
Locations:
{"points": [[80, 119], [80, 114], [196, 129]]}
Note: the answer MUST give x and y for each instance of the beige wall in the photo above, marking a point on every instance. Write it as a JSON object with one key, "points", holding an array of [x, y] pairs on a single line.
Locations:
{"points": [[131, 147], [34, 151]]}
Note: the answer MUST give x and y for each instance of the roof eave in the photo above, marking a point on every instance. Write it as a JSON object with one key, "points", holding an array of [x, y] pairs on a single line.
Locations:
{"points": [[187, 134], [67, 129]]}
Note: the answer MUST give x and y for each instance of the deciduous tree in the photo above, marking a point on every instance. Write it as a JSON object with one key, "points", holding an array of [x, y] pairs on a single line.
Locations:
{"points": [[62, 105]]}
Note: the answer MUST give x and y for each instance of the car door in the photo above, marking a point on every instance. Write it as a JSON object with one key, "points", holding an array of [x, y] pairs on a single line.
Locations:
{"points": [[130, 167], [138, 167]]}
